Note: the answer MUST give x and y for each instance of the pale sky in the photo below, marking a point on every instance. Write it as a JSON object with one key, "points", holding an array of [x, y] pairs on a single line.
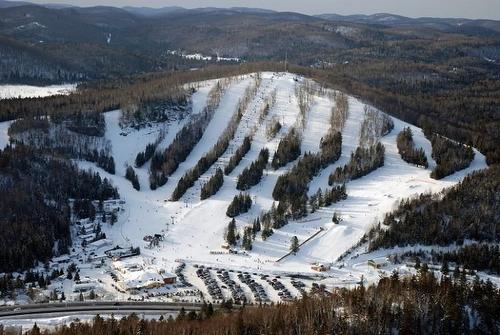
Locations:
{"points": [[485, 9]]}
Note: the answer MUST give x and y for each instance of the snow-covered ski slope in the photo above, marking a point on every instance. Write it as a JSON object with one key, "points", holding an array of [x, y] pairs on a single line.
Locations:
{"points": [[194, 229]]}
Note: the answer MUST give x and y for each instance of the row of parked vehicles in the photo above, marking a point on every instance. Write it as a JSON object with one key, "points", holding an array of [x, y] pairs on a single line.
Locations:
{"points": [[259, 294], [179, 272], [283, 292], [211, 284], [237, 292]]}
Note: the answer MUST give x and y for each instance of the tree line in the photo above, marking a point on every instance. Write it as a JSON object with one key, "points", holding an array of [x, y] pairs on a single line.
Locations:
{"points": [[144, 156], [288, 149], [132, 177], [238, 155], [375, 125], [252, 175], [328, 197], [213, 185], [240, 204], [362, 162], [474, 257], [407, 150]]}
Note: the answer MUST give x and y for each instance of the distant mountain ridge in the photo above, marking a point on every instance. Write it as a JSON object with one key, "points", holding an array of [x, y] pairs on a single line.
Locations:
{"points": [[103, 41], [444, 24], [377, 18]]}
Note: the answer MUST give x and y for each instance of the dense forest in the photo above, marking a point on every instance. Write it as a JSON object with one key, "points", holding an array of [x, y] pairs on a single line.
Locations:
{"points": [[34, 208], [468, 211], [288, 149], [362, 162], [418, 304], [241, 204], [79, 136], [252, 174], [449, 156], [213, 185], [407, 150]]}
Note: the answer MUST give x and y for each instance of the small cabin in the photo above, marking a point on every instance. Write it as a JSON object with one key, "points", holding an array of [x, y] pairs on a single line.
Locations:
{"points": [[377, 263], [320, 267]]}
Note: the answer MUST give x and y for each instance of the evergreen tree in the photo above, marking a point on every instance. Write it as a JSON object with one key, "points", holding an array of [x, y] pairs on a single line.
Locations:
{"points": [[294, 244], [213, 185], [256, 226], [132, 177], [231, 232], [252, 175], [241, 204], [247, 239], [238, 155], [288, 149], [35, 330]]}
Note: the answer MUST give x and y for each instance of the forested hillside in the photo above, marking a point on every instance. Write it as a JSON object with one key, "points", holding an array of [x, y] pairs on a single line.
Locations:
{"points": [[260, 156], [34, 212], [468, 211]]}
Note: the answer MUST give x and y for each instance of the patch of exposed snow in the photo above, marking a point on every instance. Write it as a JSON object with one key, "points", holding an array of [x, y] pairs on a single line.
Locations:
{"points": [[4, 133], [27, 91]]}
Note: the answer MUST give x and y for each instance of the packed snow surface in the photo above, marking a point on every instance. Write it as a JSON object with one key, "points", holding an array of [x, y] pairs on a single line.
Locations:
{"points": [[27, 91]]}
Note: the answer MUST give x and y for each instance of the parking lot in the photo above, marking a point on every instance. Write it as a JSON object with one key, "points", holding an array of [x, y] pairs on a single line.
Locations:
{"points": [[242, 287]]}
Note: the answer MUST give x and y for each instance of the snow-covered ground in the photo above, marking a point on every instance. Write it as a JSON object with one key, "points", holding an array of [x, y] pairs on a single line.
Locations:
{"points": [[194, 229], [4, 133], [199, 56], [198, 226], [27, 91]]}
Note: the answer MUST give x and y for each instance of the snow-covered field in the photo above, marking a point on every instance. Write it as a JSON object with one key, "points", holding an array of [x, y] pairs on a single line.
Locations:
{"points": [[27, 91], [194, 229]]}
